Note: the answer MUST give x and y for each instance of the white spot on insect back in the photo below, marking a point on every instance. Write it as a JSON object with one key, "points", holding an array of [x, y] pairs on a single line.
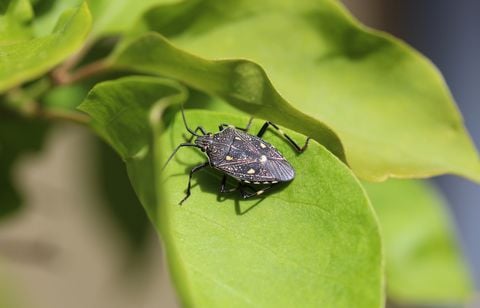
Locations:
{"points": [[251, 171], [260, 192], [238, 138], [263, 146], [228, 157], [263, 158]]}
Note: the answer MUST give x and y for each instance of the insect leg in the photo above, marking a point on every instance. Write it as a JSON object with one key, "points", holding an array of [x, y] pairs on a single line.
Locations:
{"points": [[246, 194], [194, 169], [223, 190], [175, 151], [199, 128], [224, 125], [290, 140]]}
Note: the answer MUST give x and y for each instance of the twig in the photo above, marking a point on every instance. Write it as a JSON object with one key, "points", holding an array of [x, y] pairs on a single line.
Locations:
{"points": [[65, 68], [59, 115], [28, 107], [66, 73], [85, 72]]}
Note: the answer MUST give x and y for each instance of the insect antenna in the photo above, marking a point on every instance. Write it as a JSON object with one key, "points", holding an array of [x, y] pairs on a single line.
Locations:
{"points": [[186, 125], [186, 144], [175, 152]]}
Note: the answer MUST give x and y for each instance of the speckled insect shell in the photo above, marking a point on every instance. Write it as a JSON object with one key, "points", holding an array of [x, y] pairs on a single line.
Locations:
{"points": [[245, 157]]}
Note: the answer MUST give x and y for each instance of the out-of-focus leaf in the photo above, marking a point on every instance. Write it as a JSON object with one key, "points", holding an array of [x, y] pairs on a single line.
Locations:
{"points": [[424, 264], [4, 6], [118, 16], [389, 105], [47, 13], [28, 59], [17, 137], [8, 296], [64, 97], [14, 22], [313, 242]]}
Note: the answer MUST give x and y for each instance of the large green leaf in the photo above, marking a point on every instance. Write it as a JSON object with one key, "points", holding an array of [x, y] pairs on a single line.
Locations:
{"points": [[28, 59], [47, 13], [117, 17], [424, 264], [389, 105], [314, 242], [240, 82], [14, 22]]}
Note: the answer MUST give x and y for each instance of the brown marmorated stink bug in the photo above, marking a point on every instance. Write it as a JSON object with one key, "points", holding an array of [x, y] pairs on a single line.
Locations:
{"points": [[247, 158]]}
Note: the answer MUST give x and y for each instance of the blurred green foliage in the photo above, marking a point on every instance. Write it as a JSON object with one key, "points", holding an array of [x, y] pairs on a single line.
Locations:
{"points": [[365, 97], [424, 264]]}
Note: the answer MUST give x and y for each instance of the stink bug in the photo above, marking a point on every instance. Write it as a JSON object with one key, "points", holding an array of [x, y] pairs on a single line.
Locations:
{"points": [[247, 158]]}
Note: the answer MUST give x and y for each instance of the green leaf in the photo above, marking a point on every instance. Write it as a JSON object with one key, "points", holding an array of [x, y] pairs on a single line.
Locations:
{"points": [[29, 59], [312, 242], [14, 22], [9, 296], [65, 98], [115, 18], [389, 105], [47, 13], [424, 264], [242, 83]]}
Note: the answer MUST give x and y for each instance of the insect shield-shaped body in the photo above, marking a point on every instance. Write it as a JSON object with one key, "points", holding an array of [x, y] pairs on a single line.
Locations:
{"points": [[246, 158]]}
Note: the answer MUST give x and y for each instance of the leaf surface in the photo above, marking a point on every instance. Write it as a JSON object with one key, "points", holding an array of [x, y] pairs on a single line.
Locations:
{"points": [[424, 263], [28, 59], [14, 21], [240, 82], [311, 242], [388, 104], [116, 18]]}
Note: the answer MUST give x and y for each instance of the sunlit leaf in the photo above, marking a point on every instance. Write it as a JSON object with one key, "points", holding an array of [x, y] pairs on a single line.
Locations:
{"points": [[28, 59], [240, 82], [424, 264], [389, 105], [313, 242], [15, 17], [47, 13], [116, 17]]}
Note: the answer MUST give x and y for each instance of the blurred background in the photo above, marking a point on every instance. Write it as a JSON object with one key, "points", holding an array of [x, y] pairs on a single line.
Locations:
{"points": [[448, 33], [68, 246]]}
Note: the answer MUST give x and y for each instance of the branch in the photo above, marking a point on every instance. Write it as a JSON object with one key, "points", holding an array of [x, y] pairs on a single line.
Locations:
{"points": [[62, 77], [19, 102]]}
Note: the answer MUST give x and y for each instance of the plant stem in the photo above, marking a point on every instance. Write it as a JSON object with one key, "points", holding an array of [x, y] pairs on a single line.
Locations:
{"points": [[66, 73], [59, 115], [21, 103], [61, 77]]}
